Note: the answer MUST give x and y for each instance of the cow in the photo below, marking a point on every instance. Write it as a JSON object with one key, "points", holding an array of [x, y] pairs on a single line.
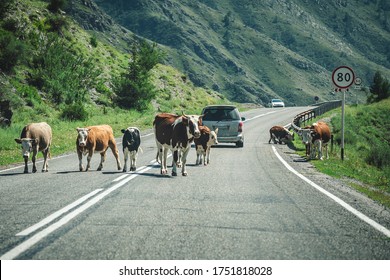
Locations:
{"points": [[176, 133], [35, 137], [131, 142], [96, 139], [279, 134], [203, 144], [316, 138]]}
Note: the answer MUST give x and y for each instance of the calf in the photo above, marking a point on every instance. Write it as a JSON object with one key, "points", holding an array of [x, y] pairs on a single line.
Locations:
{"points": [[131, 142], [35, 137], [203, 144], [96, 139], [279, 134], [176, 133]]}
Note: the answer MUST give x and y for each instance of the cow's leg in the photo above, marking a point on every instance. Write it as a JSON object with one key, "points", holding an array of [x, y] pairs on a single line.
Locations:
{"points": [[34, 158], [320, 149], [126, 158], [45, 163], [90, 153], [163, 154], [184, 160], [115, 151], [174, 162], [207, 155], [25, 164], [326, 150], [198, 155], [133, 160], [102, 160], [80, 156]]}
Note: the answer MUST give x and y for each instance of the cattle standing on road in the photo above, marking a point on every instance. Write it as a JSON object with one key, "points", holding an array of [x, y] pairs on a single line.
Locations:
{"points": [[203, 144], [279, 134], [96, 139], [316, 138], [36, 137], [174, 132], [131, 142]]}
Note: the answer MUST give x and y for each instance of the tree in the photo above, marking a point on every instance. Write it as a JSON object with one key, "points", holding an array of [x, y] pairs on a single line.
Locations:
{"points": [[133, 88], [380, 88]]}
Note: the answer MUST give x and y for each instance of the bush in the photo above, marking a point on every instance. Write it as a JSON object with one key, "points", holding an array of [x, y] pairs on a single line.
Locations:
{"points": [[11, 51], [74, 112], [55, 5], [379, 155]]}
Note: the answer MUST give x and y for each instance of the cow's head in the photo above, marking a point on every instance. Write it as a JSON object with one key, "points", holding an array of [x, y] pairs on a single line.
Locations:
{"points": [[130, 135], [27, 145], [306, 135], [82, 135], [213, 137], [193, 125]]}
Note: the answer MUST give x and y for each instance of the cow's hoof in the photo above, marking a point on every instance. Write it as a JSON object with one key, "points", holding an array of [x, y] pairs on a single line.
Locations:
{"points": [[25, 171], [43, 171], [184, 174], [34, 171], [124, 170], [99, 169], [174, 173]]}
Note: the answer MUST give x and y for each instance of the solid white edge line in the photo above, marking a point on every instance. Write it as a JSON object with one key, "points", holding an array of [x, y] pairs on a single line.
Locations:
{"points": [[56, 214], [25, 245], [348, 207]]}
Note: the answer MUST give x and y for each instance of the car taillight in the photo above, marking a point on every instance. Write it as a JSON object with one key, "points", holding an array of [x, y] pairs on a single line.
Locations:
{"points": [[240, 125]]}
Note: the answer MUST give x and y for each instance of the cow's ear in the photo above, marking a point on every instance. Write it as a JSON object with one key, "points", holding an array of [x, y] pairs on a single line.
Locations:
{"points": [[216, 130], [78, 129], [123, 130], [34, 141], [19, 141]]}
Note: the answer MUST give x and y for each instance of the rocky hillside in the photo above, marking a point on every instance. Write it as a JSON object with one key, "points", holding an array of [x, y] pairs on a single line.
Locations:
{"points": [[255, 50]]}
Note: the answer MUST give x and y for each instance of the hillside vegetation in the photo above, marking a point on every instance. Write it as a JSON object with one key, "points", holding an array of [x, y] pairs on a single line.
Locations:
{"points": [[257, 50], [64, 75]]}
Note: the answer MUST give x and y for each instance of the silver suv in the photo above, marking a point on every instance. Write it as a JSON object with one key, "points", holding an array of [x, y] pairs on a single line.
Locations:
{"points": [[228, 121]]}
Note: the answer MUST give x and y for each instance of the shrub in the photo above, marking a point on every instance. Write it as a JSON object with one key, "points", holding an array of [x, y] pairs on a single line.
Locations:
{"points": [[379, 155], [74, 112], [11, 51]]}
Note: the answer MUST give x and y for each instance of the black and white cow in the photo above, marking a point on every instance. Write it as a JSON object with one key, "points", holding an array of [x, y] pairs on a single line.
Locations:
{"points": [[131, 142]]}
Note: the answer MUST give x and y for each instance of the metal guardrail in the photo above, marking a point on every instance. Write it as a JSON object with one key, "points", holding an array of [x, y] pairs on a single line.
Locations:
{"points": [[308, 115]]}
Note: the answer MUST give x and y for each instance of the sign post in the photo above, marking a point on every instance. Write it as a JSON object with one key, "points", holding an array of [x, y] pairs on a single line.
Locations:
{"points": [[343, 77]]}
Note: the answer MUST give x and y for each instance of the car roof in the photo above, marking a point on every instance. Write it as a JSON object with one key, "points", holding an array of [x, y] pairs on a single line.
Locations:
{"points": [[220, 107], [276, 99]]}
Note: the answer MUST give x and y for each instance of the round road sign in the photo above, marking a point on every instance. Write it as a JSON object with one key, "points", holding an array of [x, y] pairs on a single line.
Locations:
{"points": [[343, 77]]}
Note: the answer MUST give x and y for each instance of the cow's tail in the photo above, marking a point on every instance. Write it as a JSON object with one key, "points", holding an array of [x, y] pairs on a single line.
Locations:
{"points": [[140, 150]]}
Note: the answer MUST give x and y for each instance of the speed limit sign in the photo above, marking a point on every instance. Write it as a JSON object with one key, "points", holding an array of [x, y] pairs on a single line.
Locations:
{"points": [[343, 77]]}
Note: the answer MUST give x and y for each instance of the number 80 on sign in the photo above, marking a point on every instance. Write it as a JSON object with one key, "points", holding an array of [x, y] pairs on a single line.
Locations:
{"points": [[343, 77]]}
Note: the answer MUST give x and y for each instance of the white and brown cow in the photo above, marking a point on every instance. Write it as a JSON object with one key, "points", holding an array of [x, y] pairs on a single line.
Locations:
{"points": [[203, 144], [316, 138], [35, 137], [176, 133], [131, 142], [279, 134], [96, 139]]}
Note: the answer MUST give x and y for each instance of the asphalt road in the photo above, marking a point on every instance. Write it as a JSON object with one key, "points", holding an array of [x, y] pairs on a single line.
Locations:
{"points": [[245, 205]]}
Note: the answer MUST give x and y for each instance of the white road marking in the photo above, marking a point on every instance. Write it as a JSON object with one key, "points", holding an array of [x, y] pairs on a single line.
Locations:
{"points": [[348, 207], [28, 243], [57, 214], [262, 115]]}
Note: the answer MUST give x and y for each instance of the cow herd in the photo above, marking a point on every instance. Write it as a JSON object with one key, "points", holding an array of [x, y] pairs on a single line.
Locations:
{"points": [[315, 137], [172, 132]]}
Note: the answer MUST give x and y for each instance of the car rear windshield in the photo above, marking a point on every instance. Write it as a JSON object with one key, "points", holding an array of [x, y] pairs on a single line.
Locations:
{"points": [[221, 114]]}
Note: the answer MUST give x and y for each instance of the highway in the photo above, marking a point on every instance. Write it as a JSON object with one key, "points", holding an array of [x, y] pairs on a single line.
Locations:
{"points": [[257, 202]]}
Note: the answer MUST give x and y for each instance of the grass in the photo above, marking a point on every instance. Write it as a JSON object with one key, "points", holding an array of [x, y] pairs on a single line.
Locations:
{"points": [[366, 126]]}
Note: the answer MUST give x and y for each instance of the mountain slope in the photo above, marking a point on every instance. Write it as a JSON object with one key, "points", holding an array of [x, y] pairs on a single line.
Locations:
{"points": [[255, 50]]}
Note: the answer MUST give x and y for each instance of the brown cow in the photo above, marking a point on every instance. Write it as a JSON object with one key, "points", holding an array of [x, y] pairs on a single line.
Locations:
{"points": [[35, 137], [203, 144], [316, 137], [279, 134], [96, 139], [176, 133]]}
